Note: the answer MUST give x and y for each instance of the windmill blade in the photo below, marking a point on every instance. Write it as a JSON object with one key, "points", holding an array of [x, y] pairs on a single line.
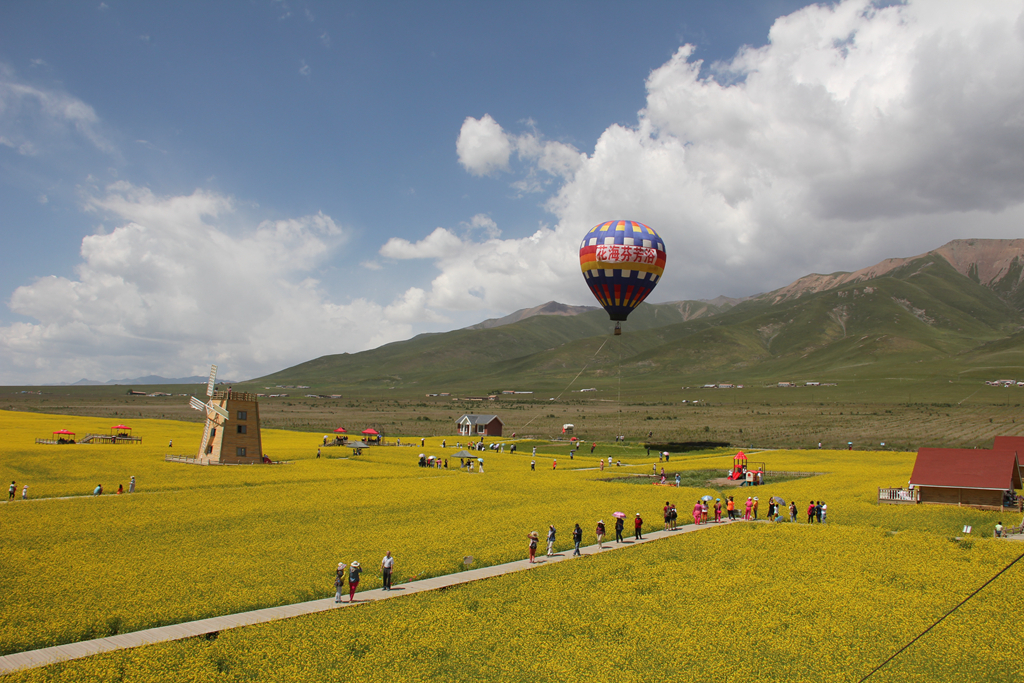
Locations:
{"points": [[196, 403], [213, 380], [217, 409]]}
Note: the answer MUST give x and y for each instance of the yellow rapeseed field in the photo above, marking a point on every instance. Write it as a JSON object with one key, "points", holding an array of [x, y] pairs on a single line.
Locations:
{"points": [[751, 602]]}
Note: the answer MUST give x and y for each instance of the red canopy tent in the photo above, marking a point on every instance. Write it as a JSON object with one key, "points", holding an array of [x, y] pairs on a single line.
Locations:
{"points": [[64, 432], [340, 430], [121, 430], [371, 432], [64, 436]]}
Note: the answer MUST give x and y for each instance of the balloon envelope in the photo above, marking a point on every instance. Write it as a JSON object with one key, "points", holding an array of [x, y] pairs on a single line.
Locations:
{"points": [[622, 262]]}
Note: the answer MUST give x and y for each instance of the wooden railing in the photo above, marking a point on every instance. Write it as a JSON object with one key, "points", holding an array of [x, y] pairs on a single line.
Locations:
{"points": [[898, 495]]}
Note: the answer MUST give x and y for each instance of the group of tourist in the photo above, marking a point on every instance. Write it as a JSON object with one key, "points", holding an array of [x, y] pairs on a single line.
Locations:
{"points": [[387, 567], [98, 491]]}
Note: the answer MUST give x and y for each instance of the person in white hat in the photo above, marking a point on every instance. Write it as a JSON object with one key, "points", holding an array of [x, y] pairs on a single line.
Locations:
{"points": [[532, 545], [353, 580]]}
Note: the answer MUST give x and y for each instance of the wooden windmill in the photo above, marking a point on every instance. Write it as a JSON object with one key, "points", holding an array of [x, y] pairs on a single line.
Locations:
{"points": [[232, 431]]}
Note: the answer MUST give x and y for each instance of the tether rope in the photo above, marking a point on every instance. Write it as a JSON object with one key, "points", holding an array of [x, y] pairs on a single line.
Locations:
{"points": [[940, 619], [571, 381]]}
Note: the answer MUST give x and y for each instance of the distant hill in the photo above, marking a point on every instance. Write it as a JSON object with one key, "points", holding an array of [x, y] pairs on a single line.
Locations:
{"points": [[957, 309], [148, 380], [550, 308]]}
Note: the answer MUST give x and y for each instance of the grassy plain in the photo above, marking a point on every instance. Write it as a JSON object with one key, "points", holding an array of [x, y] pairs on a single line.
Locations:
{"points": [[771, 602], [902, 415]]}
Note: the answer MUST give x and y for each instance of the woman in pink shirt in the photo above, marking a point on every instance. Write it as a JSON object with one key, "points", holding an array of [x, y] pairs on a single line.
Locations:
{"points": [[746, 512], [696, 512]]}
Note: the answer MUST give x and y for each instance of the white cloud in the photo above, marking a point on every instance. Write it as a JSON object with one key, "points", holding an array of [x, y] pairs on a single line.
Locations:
{"points": [[35, 120], [482, 146], [492, 275], [304, 69], [182, 282], [412, 308], [440, 244], [483, 223], [856, 134]]}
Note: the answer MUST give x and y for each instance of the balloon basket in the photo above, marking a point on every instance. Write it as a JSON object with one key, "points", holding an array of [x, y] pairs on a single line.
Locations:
{"points": [[618, 329]]}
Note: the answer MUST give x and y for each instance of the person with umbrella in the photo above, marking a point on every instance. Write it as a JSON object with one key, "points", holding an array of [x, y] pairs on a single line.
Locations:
{"points": [[780, 503], [619, 525], [533, 545], [704, 509]]}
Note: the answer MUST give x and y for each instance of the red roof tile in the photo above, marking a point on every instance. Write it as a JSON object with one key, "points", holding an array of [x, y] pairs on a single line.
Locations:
{"points": [[967, 468]]}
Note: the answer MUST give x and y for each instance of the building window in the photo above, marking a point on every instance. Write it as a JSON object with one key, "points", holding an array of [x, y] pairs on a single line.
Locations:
{"points": [[242, 415], [241, 429], [240, 452]]}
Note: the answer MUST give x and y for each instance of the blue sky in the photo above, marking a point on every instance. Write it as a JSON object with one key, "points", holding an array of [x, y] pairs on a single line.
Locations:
{"points": [[260, 183]]}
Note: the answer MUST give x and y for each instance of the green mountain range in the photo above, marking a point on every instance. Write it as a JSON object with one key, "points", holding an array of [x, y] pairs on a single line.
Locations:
{"points": [[951, 315]]}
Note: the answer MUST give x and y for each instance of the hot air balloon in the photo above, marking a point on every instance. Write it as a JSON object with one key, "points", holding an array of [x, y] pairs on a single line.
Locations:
{"points": [[622, 261]]}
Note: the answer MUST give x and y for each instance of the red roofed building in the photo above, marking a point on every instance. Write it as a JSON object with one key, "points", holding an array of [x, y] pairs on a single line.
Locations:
{"points": [[966, 476], [1009, 443]]}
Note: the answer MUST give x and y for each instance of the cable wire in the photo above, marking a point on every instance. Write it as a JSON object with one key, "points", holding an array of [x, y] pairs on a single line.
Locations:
{"points": [[940, 619]]}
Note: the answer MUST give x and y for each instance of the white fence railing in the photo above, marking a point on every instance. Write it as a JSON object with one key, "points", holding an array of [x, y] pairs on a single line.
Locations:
{"points": [[898, 495]]}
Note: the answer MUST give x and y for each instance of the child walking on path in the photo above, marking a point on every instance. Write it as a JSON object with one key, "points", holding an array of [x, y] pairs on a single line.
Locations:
{"points": [[339, 581]]}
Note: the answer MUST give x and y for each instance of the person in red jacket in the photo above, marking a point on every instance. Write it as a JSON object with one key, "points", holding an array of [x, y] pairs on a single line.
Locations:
{"points": [[638, 524], [810, 513]]}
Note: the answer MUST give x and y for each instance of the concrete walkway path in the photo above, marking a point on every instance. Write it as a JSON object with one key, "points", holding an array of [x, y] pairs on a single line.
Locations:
{"points": [[62, 653]]}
